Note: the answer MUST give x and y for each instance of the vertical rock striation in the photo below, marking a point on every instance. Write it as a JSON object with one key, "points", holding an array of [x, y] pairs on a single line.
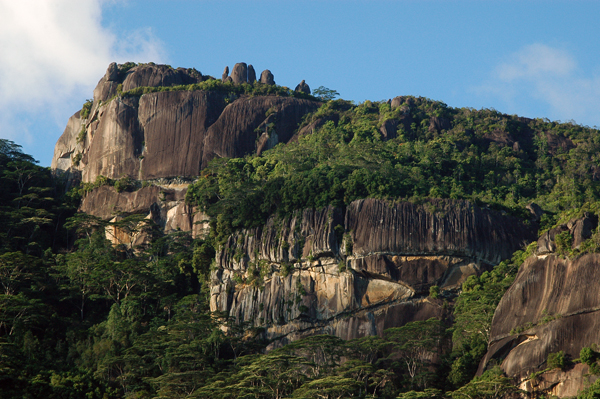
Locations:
{"points": [[357, 271], [167, 134]]}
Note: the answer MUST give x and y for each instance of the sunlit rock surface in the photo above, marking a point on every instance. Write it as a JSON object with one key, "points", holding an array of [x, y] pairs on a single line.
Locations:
{"points": [[358, 271], [553, 305]]}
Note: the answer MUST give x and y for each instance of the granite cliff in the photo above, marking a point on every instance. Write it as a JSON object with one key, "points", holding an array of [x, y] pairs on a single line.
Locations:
{"points": [[168, 134], [549, 308], [165, 136], [358, 271]]}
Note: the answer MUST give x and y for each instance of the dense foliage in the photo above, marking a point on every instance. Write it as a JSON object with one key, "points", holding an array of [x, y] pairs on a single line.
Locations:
{"points": [[499, 160], [473, 312]]}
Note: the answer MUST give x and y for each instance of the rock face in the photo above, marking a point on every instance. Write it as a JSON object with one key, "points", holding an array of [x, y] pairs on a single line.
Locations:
{"points": [[437, 124], [164, 204], [67, 147], [547, 310], [234, 133], [358, 272], [170, 133]]}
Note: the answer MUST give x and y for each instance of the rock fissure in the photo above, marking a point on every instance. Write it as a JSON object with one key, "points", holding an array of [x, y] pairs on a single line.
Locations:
{"points": [[558, 317]]}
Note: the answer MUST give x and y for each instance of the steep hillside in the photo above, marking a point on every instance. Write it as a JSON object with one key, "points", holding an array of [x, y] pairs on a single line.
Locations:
{"points": [[245, 219], [552, 307]]}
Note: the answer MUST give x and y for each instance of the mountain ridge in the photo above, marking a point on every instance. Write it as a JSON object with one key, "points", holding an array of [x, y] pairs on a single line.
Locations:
{"points": [[291, 216]]}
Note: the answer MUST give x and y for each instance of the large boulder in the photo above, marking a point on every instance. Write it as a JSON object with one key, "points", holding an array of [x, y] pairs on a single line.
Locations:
{"points": [[112, 73], [239, 74], [251, 74], [225, 74], [303, 87], [266, 77]]}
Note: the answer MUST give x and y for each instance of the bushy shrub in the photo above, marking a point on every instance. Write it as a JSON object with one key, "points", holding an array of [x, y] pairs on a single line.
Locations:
{"points": [[124, 183], [557, 360], [564, 242], [76, 159], [85, 110], [590, 357]]}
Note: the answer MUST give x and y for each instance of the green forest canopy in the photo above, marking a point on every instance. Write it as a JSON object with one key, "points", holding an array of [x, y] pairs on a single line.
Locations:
{"points": [[502, 161]]}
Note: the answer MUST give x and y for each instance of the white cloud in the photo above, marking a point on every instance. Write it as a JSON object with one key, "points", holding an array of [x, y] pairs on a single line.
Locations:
{"points": [[54, 51], [550, 77], [534, 62]]}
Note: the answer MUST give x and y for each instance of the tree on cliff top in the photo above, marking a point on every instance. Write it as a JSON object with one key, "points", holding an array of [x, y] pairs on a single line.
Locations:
{"points": [[325, 94]]}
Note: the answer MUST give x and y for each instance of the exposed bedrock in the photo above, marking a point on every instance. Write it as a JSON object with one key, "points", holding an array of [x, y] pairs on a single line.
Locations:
{"points": [[235, 132], [165, 205], [358, 271], [171, 133], [553, 305]]}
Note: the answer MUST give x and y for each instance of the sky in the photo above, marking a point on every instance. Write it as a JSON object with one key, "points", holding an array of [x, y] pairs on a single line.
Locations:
{"points": [[539, 59]]}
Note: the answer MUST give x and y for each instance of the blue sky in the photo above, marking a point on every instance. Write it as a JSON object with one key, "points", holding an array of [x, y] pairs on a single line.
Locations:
{"points": [[530, 58]]}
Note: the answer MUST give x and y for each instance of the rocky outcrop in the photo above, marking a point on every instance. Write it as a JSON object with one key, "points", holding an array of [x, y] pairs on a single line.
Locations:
{"points": [[389, 129], [225, 74], [303, 87], [163, 203], [546, 310], [558, 143], [267, 78], [234, 134], [251, 74], [357, 271], [149, 75], [112, 73], [439, 123], [580, 229], [536, 211], [396, 102], [170, 133], [239, 74]]}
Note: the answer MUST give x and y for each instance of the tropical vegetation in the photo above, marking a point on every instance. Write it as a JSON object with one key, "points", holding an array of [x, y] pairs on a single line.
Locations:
{"points": [[81, 317]]}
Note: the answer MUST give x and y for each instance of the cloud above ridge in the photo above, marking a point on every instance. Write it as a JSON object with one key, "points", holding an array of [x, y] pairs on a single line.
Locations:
{"points": [[54, 52], [549, 76]]}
